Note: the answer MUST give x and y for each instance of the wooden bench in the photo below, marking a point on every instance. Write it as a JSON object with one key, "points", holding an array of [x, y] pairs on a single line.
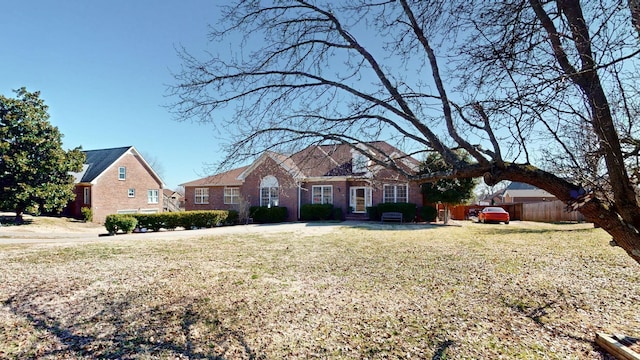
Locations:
{"points": [[395, 216]]}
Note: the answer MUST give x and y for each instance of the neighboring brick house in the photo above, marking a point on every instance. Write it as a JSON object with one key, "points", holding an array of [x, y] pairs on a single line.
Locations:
{"points": [[337, 174], [116, 181]]}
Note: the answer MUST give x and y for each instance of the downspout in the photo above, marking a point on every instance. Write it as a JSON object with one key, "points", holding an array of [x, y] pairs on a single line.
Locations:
{"points": [[299, 193]]}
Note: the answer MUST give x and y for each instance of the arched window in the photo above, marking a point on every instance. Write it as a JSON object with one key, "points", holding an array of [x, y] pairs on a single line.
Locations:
{"points": [[269, 191]]}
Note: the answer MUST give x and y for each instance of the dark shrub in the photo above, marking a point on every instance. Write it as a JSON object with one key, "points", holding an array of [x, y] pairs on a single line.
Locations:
{"points": [[372, 212], [263, 214], [337, 214], [428, 213], [233, 217], [408, 210], [314, 212]]}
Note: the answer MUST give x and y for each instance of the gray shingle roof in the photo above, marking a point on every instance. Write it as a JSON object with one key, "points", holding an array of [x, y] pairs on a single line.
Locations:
{"points": [[520, 186], [97, 161]]}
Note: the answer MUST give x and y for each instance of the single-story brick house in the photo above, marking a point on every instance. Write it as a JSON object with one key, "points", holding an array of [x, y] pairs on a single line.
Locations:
{"points": [[116, 181], [337, 174]]}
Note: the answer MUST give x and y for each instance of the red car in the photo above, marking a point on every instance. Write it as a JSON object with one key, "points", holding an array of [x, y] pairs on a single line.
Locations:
{"points": [[493, 214]]}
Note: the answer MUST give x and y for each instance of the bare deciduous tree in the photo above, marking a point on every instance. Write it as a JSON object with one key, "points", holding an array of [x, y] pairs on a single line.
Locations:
{"points": [[538, 92]]}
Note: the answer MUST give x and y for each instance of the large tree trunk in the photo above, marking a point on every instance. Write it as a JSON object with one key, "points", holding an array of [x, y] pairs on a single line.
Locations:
{"points": [[622, 228]]}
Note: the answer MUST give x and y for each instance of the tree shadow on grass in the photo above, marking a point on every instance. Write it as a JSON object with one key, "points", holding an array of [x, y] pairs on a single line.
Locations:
{"points": [[11, 221], [537, 313], [441, 351], [164, 330]]}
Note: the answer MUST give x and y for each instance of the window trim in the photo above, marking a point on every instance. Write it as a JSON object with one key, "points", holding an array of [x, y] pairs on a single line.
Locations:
{"points": [[322, 194], [122, 173], [131, 193], [272, 198], [272, 186], [86, 195], [233, 198], [203, 197], [153, 194], [394, 195]]}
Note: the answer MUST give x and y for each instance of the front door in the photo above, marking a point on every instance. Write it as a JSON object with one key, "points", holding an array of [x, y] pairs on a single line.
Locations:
{"points": [[360, 199]]}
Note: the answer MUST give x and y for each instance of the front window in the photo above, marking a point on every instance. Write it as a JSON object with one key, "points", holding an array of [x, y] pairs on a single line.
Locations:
{"points": [[202, 196], [132, 192], [231, 195], [152, 196], [269, 191], [122, 173], [322, 194], [395, 193]]}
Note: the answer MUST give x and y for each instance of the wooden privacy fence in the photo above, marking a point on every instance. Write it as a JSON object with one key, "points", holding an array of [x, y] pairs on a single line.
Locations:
{"points": [[549, 211]]}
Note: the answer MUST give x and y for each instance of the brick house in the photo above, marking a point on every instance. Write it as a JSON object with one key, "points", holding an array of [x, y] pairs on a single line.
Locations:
{"points": [[116, 181], [337, 174]]}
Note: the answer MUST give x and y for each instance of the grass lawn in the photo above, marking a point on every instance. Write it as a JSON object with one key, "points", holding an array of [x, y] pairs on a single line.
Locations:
{"points": [[478, 291]]}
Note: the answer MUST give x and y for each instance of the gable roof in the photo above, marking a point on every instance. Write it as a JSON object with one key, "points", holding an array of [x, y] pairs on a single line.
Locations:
{"points": [[337, 159], [227, 178], [519, 189], [316, 161], [170, 193], [98, 161]]}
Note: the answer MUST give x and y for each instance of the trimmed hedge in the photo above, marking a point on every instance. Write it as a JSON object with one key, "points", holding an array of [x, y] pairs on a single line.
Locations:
{"points": [[115, 223], [172, 220], [263, 214], [428, 213], [314, 212], [408, 210]]}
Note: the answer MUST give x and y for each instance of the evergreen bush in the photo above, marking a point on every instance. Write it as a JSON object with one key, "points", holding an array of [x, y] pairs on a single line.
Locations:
{"points": [[408, 210], [87, 214], [315, 212], [428, 213], [263, 214]]}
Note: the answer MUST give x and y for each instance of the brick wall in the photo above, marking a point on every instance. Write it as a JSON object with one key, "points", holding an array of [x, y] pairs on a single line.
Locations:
{"points": [[110, 195], [340, 193], [250, 191], [288, 195]]}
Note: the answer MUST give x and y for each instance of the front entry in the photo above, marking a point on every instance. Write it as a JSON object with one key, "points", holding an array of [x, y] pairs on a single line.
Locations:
{"points": [[360, 198]]}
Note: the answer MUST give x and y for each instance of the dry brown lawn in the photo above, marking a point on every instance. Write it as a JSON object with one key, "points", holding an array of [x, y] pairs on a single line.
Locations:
{"points": [[523, 291]]}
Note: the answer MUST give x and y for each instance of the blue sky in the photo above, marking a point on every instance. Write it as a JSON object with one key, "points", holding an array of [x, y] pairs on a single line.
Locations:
{"points": [[102, 68]]}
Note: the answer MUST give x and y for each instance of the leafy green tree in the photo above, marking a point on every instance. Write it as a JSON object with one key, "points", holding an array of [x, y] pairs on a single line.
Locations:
{"points": [[447, 191], [34, 169]]}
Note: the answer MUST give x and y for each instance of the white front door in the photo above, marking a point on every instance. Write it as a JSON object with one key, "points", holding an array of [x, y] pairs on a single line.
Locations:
{"points": [[360, 198]]}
